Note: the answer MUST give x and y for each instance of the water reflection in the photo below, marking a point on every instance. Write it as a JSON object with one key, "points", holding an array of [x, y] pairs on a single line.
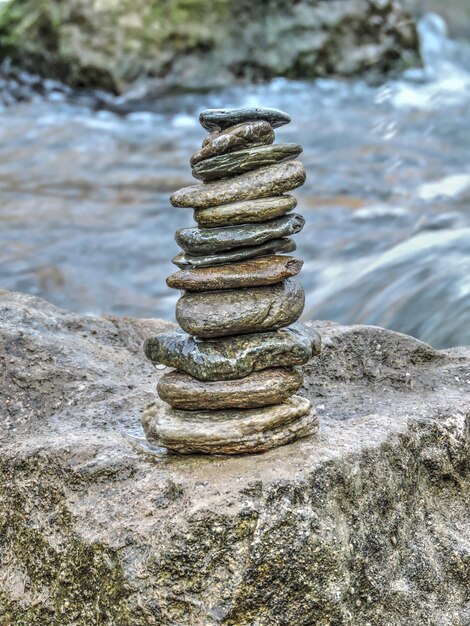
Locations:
{"points": [[85, 220]]}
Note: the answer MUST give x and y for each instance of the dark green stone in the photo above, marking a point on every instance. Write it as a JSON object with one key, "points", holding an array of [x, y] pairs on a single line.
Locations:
{"points": [[243, 161], [201, 241], [233, 357], [239, 311], [218, 119], [274, 246]]}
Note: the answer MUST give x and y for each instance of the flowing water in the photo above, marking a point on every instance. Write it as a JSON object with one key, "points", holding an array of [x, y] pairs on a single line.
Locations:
{"points": [[85, 220]]}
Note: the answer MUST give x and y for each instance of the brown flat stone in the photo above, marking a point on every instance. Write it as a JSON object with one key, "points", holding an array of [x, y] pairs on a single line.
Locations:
{"points": [[235, 431], [266, 270], [237, 311], [270, 386], [267, 181], [245, 212], [239, 137]]}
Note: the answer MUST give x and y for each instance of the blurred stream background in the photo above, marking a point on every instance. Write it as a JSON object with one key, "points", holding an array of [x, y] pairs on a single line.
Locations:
{"points": [[85, 220]]}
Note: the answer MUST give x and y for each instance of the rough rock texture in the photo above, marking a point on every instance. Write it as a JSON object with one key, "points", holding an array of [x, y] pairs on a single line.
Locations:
{"points": [[266, 270], [238, 137], [201, 241], [238, 311], [233, 357], [269, 386], [267, 181], [190, 44], [219, 119], [243, 212], [367, 523], [233, 431], [274, 246], [242, 161]]}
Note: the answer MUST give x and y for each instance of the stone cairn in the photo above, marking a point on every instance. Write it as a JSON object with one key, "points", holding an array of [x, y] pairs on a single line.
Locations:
{"points": [[232, 389]]}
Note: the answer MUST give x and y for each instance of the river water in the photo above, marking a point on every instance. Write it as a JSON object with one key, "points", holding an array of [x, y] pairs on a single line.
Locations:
{"points": [[85, 220]]}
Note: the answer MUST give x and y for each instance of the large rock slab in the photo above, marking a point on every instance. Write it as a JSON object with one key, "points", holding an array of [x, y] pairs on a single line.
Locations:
{"points": [[365, 523]]}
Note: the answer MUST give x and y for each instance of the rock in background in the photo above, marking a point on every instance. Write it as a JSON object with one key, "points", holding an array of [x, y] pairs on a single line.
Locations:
{"points": [[366, 524], [194, 44]]}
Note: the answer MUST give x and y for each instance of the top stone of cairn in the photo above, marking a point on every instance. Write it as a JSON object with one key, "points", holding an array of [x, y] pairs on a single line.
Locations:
{"points": [[220, 119]]}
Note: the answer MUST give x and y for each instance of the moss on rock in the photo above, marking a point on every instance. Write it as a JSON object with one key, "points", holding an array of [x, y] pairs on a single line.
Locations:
{"points": [[193, 44]]}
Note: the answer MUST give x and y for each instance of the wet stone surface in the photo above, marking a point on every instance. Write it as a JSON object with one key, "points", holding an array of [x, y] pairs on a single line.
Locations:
{"points": [[238, 137], [234, 431], [266, 387], [227, 358], [248, 211], [273, 246], [201, 241], [235, 311], [267, 181], [265, 270], [218, 119], [242, 161]]}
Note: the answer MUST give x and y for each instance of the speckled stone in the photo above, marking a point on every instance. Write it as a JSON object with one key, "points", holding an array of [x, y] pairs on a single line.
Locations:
{"points": [[266, 270], [218, 119], [245, 212], [242, 161], [270, 247], [270, 386], [234, 431], [267, 181], [202, 241], [239, 137], [236, 311], [233, 357]]}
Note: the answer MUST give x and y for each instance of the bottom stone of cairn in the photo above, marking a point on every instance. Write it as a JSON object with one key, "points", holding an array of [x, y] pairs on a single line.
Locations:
{"points": [[229, 431]]}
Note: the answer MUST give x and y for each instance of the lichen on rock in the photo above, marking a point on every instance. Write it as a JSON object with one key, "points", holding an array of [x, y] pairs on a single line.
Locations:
{"points": [[365, 523]]}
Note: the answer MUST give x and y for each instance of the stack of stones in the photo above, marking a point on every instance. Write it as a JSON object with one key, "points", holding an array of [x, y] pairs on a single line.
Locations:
{"points": [[232, 389]]}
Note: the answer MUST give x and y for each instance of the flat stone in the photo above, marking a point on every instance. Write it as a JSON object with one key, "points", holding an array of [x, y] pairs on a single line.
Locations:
{"points": [[227, 358], [235, 431], [239, 137], [273, 246], [270, 386], [266, 270], [273, 180], [202, 241], [235, 163], [218, 119], [237, 311], [248, 211]]}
